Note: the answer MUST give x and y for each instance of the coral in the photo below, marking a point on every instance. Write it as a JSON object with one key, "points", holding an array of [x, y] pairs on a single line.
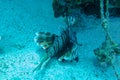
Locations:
{"points": [[58, 8], [89, 7], [108, 51], [65, 7]]}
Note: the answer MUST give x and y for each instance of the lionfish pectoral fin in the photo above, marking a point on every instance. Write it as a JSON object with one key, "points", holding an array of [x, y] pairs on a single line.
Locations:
{"points": [[67, 56], [42, 63], [70, 55], [44, 39]]}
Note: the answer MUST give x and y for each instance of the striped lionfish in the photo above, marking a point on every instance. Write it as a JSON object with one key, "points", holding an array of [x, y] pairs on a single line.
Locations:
{"points": [[63, 45]]}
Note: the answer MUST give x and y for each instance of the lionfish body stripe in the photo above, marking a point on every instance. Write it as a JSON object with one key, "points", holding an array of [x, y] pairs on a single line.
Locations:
{"points": [[53, 44], [59, 43]]}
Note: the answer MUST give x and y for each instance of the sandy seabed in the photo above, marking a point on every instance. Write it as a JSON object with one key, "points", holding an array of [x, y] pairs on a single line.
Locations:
{"points": [[21, 19]]}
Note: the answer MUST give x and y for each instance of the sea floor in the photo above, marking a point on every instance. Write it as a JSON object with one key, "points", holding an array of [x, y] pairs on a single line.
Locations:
{"points": [[21, 19]]}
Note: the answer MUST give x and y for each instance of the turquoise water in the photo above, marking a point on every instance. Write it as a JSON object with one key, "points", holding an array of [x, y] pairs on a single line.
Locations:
{"points": [[21, 19]]}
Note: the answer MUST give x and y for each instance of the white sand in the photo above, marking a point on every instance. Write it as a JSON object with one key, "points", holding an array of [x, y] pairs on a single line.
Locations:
{"points": [[20, 19]]}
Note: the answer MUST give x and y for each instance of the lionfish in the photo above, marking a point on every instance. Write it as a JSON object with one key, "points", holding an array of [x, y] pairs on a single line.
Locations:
{"points": [[64, 46]]}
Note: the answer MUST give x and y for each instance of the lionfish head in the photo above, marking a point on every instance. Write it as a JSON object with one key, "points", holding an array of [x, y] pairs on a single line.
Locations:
{"points": [[44, 39]]}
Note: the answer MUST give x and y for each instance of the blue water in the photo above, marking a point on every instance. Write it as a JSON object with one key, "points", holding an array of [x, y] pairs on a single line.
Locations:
{"points": [[21, 19]]}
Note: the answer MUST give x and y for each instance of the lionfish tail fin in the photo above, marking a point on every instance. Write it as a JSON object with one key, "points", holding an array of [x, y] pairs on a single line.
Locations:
{"points": [[44, 39]]}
